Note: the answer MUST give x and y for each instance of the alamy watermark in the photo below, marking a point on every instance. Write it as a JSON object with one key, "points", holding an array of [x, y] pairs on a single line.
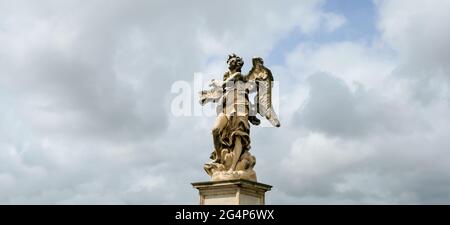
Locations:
{"points": [[209, 97]]}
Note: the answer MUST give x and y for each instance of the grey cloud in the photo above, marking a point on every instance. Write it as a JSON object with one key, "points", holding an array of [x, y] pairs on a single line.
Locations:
{"points": [[384, 144], [418, 36], [399, 169], [90, 87], [333, 108], [85, 97]]}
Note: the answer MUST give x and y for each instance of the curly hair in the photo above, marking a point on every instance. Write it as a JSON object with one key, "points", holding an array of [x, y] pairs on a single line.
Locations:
{"points": [[235, 62]]}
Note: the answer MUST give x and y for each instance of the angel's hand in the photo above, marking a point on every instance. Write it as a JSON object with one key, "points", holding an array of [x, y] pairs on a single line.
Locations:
{"points": [[230, 79], [215, 83], [211, 82]]}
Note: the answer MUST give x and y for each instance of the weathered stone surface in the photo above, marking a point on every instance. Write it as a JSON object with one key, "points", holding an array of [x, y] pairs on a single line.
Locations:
{"points": [[231, 158], [221, 170], [232, 192]]}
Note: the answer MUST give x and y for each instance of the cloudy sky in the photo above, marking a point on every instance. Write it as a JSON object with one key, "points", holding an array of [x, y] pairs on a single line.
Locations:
{"points": [[85, 99]]}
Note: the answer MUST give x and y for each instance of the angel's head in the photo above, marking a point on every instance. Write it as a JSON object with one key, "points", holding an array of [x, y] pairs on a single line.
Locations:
{"points": [[235, 62]]}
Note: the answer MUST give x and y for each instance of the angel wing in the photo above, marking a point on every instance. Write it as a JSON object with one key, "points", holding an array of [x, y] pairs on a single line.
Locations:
{"points": [[263, 79]]}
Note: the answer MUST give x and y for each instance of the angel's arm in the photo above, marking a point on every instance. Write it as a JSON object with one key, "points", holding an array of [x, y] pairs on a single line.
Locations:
{"points": [[215, 83], [233, 77]]}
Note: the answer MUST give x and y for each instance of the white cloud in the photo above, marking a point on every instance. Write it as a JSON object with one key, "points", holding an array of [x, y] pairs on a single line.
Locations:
{"points": [[87, 88], [318, 155], [85, 99], [334, 21], [415, 29], [389, 98], [353, 62]]}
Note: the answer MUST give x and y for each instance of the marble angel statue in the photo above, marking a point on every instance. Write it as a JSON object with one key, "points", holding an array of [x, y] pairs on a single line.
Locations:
{"points": [[231, 158]]}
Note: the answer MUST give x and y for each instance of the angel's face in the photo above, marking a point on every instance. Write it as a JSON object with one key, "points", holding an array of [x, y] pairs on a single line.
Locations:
{"points": [[235, 63]]}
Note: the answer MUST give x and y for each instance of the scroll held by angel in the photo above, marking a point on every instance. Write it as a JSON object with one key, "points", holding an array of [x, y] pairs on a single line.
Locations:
{"points": [[231, 157]]}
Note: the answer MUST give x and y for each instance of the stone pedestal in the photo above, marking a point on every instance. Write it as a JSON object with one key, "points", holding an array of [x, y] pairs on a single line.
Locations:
{"points": [[232, 192]]}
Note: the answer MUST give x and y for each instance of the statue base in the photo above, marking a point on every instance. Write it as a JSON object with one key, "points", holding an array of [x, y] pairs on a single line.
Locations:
{"points": [[244, 167], [234, 175], [232, 192]]}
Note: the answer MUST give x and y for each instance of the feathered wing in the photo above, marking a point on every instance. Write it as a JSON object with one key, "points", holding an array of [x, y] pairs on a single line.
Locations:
{"points": [[263, 100]]}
